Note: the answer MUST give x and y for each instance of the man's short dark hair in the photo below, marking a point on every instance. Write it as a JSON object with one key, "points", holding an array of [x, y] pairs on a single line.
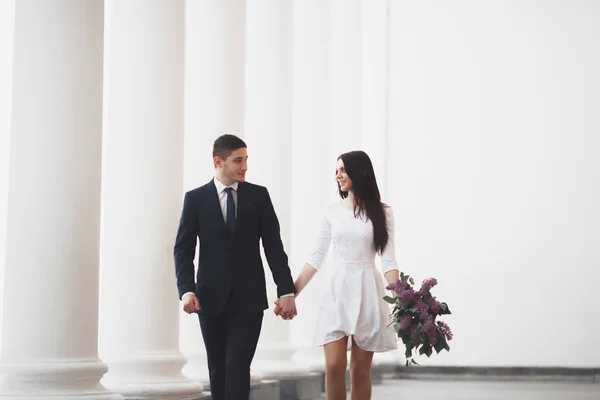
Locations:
{"points": [[227, 144]]}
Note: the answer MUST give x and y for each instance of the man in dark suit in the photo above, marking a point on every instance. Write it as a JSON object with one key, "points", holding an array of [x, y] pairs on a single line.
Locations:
{"points": [[229, 217]]}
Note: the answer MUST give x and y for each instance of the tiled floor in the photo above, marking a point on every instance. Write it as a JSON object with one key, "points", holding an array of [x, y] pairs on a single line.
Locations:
{"points": [[476, 390]]}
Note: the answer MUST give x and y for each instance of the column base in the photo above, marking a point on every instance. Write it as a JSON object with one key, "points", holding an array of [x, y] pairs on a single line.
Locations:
{"points": [[311, 357], [384, 364], [388, 361], [389, 357], [276, 361], [306, 387], [279, 368], [152, 376], [196, 369], [256, 376], [55, 379], [265, 390]]}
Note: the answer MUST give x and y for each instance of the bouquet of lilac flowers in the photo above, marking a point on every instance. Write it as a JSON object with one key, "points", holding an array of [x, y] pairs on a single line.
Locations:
{"points": [[414, 317]]}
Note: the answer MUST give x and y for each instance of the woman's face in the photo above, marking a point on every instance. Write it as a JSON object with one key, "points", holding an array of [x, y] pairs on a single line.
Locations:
{"points": [[342, 177]]}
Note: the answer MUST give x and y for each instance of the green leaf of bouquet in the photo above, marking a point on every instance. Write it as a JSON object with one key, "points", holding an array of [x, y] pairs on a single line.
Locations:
{"points": [[409, 348], [439, 335], [439, 346], [412, 360], [412, 281], [396, 326], [444, 309], [429, 351], [441, 340], [419, 328], [389, 299]]}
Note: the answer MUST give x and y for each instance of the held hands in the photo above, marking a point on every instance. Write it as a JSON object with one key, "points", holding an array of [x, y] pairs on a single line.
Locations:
{"points": [[285, 307], [191, 304]]}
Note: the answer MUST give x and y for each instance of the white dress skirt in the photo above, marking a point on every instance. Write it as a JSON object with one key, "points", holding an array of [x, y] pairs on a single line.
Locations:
{"points": [[352, 304]]}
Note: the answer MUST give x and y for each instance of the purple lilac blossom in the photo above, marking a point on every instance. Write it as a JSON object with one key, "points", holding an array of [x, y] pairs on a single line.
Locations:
{"points": [[445, 329], [430, 330], [413, 332], [405, 322], [407, 296], [423, 308], [427, 318], [428, 284], [400, 286], [397, 287]]}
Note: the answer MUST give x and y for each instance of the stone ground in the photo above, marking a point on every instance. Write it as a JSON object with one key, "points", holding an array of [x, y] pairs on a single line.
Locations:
{"points": [[399, 389]]}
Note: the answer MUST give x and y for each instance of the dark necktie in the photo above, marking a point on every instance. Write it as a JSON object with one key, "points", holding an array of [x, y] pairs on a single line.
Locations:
{"points": [[230, 212]]}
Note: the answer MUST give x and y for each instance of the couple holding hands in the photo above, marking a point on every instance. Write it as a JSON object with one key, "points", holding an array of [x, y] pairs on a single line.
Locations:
{"points": [[228, 217]]}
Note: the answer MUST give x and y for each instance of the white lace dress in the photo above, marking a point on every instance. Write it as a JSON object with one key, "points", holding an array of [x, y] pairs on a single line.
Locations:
{"points": [[352, 304]]}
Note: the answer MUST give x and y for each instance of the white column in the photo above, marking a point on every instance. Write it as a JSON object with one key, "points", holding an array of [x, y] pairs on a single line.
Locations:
{"points": [[7, 20], [346, 76], [268, 136], [50, 293], [214, 105], [141, 199], [375, 83], [312, 166]]}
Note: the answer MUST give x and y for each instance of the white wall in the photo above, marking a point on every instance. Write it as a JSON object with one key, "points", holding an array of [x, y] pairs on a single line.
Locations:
{"points": [[7, 11], [493, 168]]}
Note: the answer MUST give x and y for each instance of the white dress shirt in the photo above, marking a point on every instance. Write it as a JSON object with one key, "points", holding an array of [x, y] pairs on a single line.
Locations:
{"points": [[223, 196], [223, 202]]}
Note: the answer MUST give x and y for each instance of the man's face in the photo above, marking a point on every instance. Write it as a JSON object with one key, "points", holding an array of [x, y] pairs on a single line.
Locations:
{"points": [[235, 166]]}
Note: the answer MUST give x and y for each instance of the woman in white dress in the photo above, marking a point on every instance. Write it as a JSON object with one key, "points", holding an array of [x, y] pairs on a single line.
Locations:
{"points": [[353, 315]]}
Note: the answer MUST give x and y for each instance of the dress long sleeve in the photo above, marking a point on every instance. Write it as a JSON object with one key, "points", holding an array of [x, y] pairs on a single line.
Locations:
{"points": [[322, 242], [388, 257]]}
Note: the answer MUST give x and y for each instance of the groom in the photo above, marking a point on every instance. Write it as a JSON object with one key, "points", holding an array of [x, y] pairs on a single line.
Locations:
{"points": [[229, 217]]}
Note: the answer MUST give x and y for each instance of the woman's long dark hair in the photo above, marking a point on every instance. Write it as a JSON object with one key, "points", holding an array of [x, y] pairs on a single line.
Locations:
{"points": [[367, 198]]}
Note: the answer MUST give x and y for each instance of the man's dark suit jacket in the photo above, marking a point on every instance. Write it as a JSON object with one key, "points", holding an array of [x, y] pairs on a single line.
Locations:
{"points": [[230, 269]]}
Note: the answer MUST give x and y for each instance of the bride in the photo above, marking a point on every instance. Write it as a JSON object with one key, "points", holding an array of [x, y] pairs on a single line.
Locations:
{"points": [[353, 315]]}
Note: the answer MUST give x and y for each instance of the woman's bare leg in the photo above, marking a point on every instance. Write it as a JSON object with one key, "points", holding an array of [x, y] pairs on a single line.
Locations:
{"points": [[360, 373], [335, 369]]}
